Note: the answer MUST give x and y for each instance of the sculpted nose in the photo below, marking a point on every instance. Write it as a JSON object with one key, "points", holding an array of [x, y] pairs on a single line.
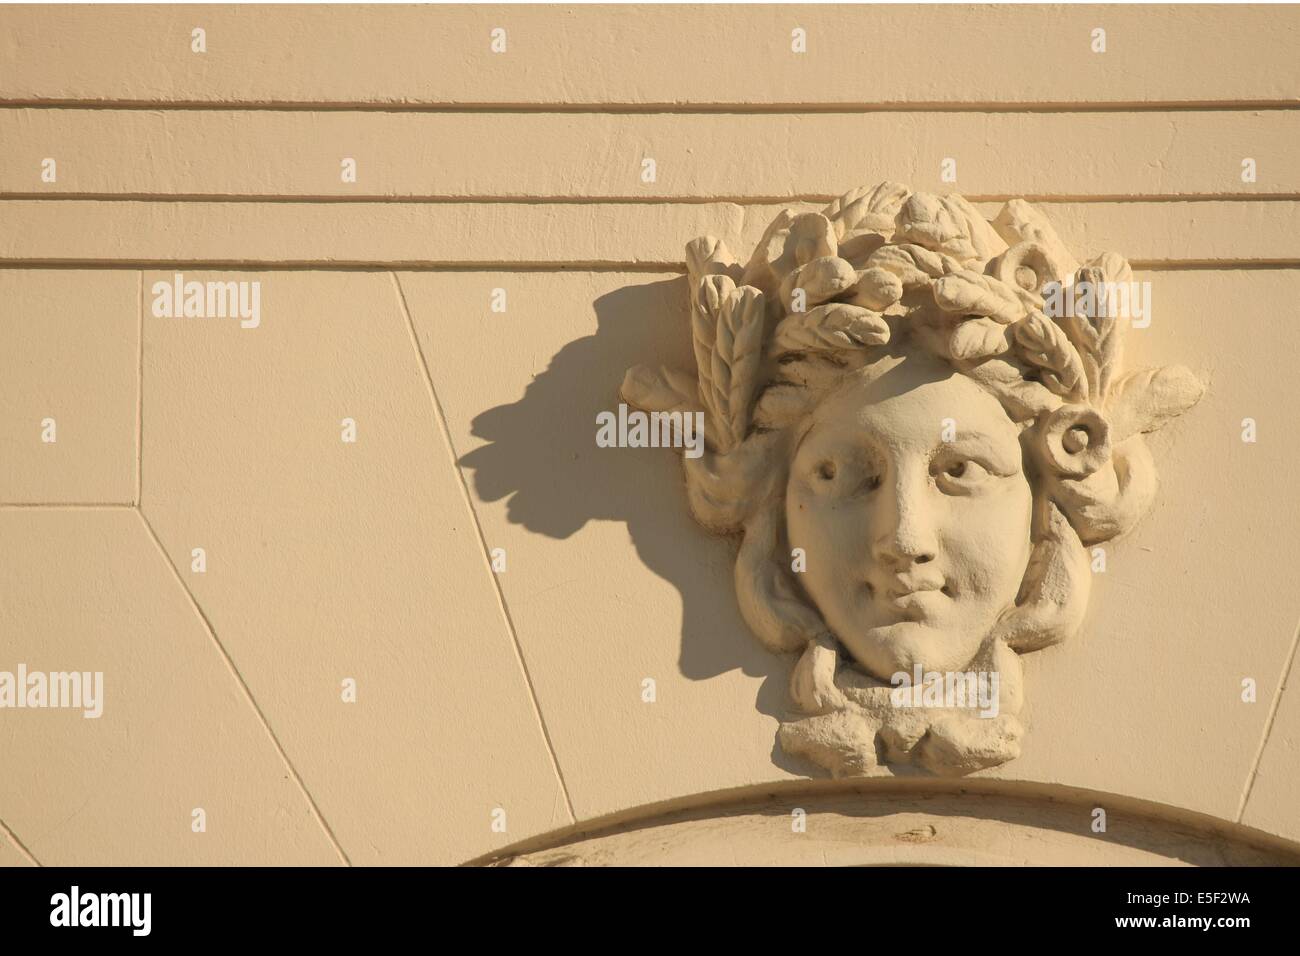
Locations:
{"points": [[903, 526]]}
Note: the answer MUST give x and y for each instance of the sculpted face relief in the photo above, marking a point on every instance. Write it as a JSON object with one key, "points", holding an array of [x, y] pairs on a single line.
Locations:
{"points": [[916, 545], [917, 448]]}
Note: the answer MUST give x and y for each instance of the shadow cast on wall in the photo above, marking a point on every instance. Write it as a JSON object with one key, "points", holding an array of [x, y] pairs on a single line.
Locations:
{"points": [[542, 456]]}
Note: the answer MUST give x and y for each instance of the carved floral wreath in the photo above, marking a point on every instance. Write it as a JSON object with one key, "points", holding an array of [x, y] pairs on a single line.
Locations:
{"points": [[825, 294]]}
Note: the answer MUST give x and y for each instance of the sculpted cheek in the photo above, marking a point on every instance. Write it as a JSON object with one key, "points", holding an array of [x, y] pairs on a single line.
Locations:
{"points": [[831, 553], [988, 546]]}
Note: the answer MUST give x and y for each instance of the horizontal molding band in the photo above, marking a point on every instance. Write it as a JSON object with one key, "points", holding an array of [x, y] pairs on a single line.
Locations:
{"points": [[525, 268], [618, 200], [404, 56], [587, 235], [848, 109], [593, 156]]}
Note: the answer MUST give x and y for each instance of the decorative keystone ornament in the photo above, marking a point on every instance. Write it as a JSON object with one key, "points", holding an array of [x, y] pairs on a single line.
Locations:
{"points": [[887, 386]]}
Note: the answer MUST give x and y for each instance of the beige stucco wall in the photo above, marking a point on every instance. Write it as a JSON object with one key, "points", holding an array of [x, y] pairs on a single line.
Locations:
{"points": [[522, 690]]}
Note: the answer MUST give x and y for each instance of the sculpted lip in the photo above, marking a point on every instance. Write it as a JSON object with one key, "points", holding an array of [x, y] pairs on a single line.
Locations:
{"points": [[901, 590], [914, 600]]}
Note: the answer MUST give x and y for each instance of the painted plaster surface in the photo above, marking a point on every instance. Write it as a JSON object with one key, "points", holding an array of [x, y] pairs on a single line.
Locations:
{"points": [[360, 582]]}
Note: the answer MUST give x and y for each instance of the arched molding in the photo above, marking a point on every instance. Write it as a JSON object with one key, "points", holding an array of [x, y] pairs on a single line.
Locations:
{"points": [[907, 822]]}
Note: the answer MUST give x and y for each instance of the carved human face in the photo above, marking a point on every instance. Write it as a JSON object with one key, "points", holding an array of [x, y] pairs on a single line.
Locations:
{"points": [[915, 545]]}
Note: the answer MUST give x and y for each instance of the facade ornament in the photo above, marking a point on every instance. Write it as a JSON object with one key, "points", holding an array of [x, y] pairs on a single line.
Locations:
{"points": [[918, 424]]}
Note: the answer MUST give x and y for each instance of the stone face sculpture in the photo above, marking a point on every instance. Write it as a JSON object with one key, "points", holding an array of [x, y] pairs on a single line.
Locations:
{"points": [[917, 423]]}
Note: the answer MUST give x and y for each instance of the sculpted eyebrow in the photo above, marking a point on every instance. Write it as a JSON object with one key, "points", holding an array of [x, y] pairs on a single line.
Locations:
{"points": [[1001, 455]]}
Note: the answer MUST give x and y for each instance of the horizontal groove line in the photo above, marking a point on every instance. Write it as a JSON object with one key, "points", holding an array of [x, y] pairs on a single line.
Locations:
{"points": [[57, 505], [900, 106], [1178, 265], [326, 265], [617, 200]]}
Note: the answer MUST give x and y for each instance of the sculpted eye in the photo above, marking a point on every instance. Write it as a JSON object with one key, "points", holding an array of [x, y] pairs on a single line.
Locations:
{"points": [[842, 475], [870, 483], [961, 475]]}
